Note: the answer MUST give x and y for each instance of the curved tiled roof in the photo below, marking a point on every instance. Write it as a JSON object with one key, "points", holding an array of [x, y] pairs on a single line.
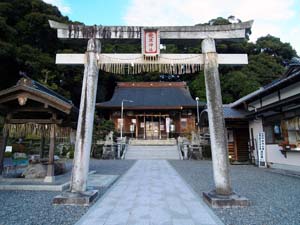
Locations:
{"points": [[40, 93], [232, 113], [151, 95]]}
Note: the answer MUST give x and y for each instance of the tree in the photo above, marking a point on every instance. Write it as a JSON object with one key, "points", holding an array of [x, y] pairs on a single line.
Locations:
{"points": [[236, 84], [263, 68], [197, 87], [282, 52]]}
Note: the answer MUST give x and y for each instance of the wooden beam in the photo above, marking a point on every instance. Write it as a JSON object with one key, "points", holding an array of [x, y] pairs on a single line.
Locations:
{"points": [[4, 109], [2, 150], [37, 121], [39, 97], [136, 127], [42, 144], [32, 109], [50, 171], [223, 59]]}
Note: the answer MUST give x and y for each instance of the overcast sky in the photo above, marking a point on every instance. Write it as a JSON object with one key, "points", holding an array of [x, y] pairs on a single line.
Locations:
{"points": [[280, 18]]}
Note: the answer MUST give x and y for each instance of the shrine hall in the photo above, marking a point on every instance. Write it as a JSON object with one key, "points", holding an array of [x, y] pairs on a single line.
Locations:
{"points": [[152, 110]]}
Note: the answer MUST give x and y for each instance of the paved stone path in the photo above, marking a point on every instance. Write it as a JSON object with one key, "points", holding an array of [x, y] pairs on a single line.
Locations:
{"points": [[150, 193]]}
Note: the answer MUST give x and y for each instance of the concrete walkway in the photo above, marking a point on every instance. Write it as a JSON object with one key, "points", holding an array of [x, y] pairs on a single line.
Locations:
{"points": [[150, 193]]}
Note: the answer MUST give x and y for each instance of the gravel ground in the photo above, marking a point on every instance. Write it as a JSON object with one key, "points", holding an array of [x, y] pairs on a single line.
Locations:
{"points": [[275, 198], [35, 207]]}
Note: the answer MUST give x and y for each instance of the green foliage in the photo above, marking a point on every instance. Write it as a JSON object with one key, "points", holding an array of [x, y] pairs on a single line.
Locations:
{"points": [[27, 43], [271, 45], [263, 68], [7, 154], [197, 87], [102, 128], [124, 47], [235, 84], [219, 21], [71, 152], [64, 151]]}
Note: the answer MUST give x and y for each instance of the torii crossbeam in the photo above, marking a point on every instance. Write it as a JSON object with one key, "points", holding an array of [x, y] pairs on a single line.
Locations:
{"points": [[151, 60]]}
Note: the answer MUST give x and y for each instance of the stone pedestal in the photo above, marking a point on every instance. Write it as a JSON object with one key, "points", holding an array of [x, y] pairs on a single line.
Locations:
{"points": [[185, 151], [49, 179], [76, 198], [225, 201], [119, 149]]}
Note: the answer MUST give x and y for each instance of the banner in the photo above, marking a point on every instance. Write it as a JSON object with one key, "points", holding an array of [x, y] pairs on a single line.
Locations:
{"points": [[150, 43]]}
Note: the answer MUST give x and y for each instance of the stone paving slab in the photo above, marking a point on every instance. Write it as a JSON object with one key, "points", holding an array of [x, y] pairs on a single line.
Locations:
{"points": [[95, 181], [150, 193]]}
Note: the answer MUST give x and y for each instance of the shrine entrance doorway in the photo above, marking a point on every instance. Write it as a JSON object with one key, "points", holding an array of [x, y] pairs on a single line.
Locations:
{"points": [[152, 129]]}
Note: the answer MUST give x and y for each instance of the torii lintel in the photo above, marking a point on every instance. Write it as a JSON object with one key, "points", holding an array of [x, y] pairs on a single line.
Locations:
{"points": [[75, 31]]}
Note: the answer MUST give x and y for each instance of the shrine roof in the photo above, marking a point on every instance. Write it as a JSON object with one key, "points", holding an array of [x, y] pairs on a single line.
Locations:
{"points": [[151, 95], [37, 92]]}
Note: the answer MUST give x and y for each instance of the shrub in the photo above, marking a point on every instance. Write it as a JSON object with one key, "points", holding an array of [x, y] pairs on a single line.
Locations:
{"points": [[71, 152], [8, 154]]}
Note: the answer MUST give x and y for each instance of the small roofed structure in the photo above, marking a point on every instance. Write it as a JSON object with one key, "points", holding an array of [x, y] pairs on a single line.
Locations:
{"points": [[236, 124], [152, 110], [30, 108]]}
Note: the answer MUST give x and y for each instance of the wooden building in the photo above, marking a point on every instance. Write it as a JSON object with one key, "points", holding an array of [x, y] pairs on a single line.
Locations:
{"points": [[30, 108], [237, 132], [152, 110]]}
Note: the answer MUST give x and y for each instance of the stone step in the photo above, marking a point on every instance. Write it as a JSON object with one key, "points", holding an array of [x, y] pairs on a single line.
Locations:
{"points": [[140, 142], [152, 152]]}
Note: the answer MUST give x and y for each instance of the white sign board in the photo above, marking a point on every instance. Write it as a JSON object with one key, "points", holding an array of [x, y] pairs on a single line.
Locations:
{"points": [[8, 149], [172, 128], [262, 150], [168, 121], [132, 128]]}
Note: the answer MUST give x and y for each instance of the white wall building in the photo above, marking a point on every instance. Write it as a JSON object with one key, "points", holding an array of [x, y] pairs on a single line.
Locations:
{"points": [[275, 110]]}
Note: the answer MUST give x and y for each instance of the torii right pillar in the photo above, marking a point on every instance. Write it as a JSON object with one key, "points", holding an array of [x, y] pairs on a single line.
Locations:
{"points": [[222, 196]]}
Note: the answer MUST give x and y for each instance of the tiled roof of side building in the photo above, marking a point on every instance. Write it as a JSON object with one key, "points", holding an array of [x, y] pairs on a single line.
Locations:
{"points": [[232, 113]]}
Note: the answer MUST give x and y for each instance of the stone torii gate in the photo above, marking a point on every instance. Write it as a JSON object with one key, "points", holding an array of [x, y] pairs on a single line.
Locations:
{"points": [[151, 60]]}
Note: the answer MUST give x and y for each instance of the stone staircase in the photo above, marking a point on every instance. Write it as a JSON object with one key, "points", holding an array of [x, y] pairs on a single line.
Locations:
{"points": [[152, 152], [140, 142]]}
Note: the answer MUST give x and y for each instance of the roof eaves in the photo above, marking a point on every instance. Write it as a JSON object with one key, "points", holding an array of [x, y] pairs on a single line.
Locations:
{"points": [[265, 89], [35, 91]]}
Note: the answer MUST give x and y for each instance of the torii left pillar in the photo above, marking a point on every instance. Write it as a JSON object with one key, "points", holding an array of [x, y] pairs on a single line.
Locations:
{"points": [[78, 194]]}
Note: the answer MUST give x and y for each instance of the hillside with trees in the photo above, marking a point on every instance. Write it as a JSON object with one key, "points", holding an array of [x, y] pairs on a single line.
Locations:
{"points": [[28, 45]]}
